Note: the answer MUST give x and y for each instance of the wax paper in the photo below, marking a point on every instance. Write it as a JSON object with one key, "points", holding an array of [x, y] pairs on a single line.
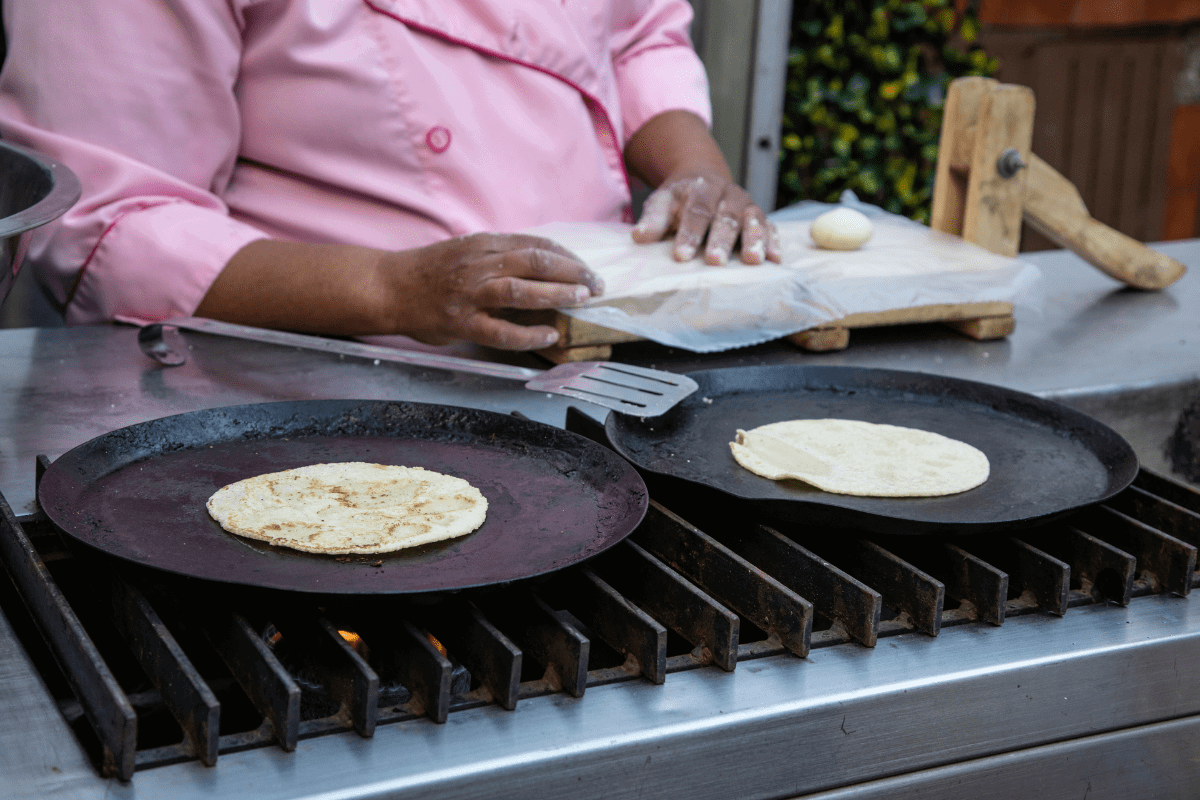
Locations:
{"points": [[707, 309]]}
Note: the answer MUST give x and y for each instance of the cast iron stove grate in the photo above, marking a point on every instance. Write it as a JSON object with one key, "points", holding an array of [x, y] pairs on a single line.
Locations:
{"points": [[152, 671]]}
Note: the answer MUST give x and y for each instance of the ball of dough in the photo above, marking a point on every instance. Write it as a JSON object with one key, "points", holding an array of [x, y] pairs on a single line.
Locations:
{"points": [[841, 229]]}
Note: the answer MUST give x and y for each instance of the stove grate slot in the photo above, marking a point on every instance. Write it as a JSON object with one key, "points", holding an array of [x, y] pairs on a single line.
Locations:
{"points": [[974, 580], [416, 661], [330, 658], [1169, 489], [1101, 571], [103, 701], [1036, 580], [256, 669], [353, 684], [734, 581], [181, 689], [853, 606], [484, 650], [1166, 516], [547, 636], [674, 601], [902, 586], [1043, 575], [979, 589], [1167, 562], [616, 621]]}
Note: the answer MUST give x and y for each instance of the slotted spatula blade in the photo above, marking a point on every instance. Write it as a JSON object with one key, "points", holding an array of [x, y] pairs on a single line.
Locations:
{"points": [[630, 390], [621, 387]]}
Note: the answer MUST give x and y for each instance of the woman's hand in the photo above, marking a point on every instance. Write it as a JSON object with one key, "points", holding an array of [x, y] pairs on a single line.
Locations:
{"points": [[450, 288], [708, 204], [696, 195], [437, 294]]}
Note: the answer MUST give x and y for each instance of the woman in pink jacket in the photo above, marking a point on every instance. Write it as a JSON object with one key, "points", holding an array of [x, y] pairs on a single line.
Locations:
{"points": [[330, 165]]}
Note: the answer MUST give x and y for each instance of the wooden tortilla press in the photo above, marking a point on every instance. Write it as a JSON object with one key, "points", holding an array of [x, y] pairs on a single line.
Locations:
{"points": [[988, 180]]}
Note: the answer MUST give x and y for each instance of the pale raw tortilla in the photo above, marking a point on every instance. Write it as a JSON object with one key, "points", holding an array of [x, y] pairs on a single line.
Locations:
{"points": [[350, 507], [861, 458]]}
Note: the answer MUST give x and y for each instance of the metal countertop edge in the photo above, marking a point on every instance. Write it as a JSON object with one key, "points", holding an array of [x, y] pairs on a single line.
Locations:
{"points": [[1180, 381], [701, 733], [1094, 767], [41, 756]]}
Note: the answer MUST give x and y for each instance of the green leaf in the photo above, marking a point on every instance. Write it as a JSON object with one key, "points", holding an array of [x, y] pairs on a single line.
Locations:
{"points": [[913, 16], [812, 27], [835, 31], [969, 30]]}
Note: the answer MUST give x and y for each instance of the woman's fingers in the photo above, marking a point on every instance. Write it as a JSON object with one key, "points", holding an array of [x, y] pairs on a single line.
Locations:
{"points": [[774, 246], [657, 213], [697, 209], [723, 233], [760, 238], [533, 278], [476, 275], [755, 232], [492, 332], [504, 292], [540, 263], [709, 212]]}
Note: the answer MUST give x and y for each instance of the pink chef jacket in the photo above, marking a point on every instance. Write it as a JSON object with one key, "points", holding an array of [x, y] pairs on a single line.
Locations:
{"points": [[198, 126]]}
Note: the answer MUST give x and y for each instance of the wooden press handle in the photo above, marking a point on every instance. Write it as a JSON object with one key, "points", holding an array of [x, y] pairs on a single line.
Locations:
{"points": [[1053, 206]]}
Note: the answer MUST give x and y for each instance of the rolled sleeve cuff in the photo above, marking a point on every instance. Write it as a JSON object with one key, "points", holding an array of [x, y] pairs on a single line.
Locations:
{"points": [[156, 261], [659, 79]]}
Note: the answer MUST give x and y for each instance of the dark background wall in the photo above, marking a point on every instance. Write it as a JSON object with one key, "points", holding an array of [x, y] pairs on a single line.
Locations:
{"points": [[1118, 103]]}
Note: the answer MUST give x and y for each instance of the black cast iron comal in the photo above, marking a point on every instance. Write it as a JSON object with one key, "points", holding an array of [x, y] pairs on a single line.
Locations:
{"points": [[1046, 459], [139, 493]]}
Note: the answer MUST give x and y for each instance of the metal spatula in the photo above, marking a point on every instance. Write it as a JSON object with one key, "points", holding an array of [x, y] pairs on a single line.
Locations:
{"points": [[630, 390]]}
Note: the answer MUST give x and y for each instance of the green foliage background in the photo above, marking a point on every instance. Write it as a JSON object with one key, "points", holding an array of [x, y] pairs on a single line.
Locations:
{"points": [[865, 91]]}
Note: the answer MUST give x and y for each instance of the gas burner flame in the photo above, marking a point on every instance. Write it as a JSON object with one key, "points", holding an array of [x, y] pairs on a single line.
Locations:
{"points": [[433, 640], [355, 641], [272, 636]]}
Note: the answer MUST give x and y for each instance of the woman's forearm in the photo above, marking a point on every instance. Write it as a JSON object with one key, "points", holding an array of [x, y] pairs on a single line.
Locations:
{"points": [[436, 294], [671, 144], [316, 288]]}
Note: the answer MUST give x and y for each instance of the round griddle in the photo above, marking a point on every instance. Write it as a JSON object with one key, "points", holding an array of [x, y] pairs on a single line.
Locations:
{"points": [[139, 493], [1046, 459]]}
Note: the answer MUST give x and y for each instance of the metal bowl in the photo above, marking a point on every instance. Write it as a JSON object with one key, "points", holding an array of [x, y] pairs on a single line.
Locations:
{"points": [[34, 190]]}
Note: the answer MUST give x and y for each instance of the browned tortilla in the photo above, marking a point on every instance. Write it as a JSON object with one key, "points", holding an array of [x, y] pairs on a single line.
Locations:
{"points": [[349, 507]]}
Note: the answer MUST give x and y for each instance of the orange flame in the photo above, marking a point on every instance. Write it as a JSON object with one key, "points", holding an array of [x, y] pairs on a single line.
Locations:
{"points": [[441, 648]]}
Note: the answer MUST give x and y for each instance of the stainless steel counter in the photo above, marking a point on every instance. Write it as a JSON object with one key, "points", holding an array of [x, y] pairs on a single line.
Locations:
{"points": [[810, 725]]}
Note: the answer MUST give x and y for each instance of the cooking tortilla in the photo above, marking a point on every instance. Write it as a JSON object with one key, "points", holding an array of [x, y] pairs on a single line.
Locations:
{"points": [[349, 507], [861, 458]]}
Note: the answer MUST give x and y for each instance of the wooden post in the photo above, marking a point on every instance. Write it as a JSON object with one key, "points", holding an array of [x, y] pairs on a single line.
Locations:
{"points": [[958, 126], [983, 119]]}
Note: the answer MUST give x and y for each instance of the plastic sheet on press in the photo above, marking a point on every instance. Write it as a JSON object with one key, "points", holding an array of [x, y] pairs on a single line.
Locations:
{"points": [[706, 309]]}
